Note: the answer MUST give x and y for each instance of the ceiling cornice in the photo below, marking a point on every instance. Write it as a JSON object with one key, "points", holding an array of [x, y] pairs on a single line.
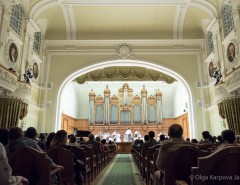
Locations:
{"points": [[74, 44]]}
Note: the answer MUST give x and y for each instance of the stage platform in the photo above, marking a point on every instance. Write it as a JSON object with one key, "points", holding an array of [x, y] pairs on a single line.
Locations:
{"points": [[124, 147]]}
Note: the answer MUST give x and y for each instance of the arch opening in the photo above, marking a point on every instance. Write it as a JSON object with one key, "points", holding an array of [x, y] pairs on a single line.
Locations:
{"points": [[137, 63]]}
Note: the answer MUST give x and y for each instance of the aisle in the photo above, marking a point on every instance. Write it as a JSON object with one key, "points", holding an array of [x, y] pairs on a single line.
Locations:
{"points": [[122, 171]]}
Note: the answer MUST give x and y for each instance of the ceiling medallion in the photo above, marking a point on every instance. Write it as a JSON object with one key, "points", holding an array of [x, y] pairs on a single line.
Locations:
{"points": [[124, 52]]}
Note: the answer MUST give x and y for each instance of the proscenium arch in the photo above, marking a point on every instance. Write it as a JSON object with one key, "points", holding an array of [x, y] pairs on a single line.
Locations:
{"points": [[126, 62]]}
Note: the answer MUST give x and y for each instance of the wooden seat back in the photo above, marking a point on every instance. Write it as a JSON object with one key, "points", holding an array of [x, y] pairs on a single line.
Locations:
{"points": [[90, 155], [178, 163], [31, 164], [63, 157], [221, 168]]}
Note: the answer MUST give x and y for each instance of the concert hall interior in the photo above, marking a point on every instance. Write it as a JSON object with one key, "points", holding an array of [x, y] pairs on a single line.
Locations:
{"points": [[115, 71]]}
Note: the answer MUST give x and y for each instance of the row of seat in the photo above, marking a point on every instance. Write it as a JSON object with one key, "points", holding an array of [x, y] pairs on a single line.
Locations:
{"points": [[187, 164], [35, 166]]}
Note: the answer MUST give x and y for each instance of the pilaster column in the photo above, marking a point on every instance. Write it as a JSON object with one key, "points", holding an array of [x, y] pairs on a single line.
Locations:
{"points": [[91, 107], [144, 105], [106, 105]]}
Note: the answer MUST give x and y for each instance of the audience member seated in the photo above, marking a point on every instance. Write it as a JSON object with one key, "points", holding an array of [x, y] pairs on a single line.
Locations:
{"points": [[188, 139], [5, 171], [95, 144], [42, 137], [206, 137], [4, 136], [229, 139], [161, 138], [101, 145], [49, 139], [151, 142], [175, 132], [31, 133], [81, 140], [194, 141], [219, 140], [73, 140], [60, 140]]}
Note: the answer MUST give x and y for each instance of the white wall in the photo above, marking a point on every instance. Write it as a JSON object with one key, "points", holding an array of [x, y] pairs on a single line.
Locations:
{"points": [[75, 96], [68, 102], [180, 103]]}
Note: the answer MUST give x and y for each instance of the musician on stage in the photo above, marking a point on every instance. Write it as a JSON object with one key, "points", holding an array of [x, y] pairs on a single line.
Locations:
{"points": [[129, 135]]}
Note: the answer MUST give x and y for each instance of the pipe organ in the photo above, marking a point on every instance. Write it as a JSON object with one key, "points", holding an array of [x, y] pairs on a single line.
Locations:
{"points": [[125, 108]]}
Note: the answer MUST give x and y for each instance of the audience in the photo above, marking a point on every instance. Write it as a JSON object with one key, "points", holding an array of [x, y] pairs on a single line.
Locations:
{"points": [[17, 141], [6, 177], [14, 140]]}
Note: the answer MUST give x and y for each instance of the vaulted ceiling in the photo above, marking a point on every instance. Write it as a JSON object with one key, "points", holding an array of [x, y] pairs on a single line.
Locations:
{"points": [[123, 19]]}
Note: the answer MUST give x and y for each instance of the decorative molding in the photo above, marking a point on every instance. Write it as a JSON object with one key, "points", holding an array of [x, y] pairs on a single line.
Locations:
{"points": [[23, 91], [8, 80], [124, 2], [207, 6], [214, 26], [124, 52], [40, 6], [32, 27], [125, 73], [232, 81], [69, 22], [73, 44], [221, 92], [179, 22]]}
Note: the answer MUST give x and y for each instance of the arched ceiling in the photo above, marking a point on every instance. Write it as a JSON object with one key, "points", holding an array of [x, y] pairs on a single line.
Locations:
{"points": [[123, 19]]}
